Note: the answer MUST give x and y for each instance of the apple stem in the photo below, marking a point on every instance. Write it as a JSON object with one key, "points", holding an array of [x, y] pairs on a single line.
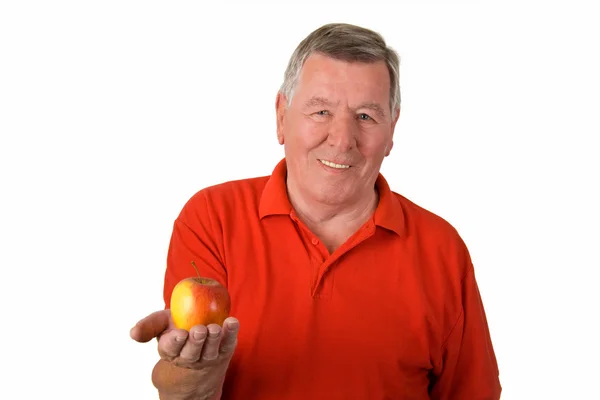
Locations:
{"points": [[194, 265]]}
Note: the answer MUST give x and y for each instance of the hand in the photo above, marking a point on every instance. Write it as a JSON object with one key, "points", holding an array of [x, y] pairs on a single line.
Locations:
{"points": [[203, 346]]}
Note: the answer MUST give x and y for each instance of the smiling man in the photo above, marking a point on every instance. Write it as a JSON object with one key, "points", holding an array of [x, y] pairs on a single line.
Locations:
{"points": [[336, 126], [340, 287]]}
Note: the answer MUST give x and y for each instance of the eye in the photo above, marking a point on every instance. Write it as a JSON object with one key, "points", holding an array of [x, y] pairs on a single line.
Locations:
{"points": [[323, 112], [364, 117]]}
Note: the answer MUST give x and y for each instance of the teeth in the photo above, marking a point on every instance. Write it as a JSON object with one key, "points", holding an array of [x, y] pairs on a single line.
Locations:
{"points": [[334, 165]]}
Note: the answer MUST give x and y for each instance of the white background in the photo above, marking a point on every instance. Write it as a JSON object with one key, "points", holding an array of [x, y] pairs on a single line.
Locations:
{"points": [[113, 113]]}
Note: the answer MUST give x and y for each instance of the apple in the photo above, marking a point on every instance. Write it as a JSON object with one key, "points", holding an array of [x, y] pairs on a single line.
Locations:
{"points": [[199, 301]]}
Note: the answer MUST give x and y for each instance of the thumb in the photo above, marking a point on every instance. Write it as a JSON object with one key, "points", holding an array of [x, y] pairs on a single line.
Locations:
{"points": [[151, 326]]}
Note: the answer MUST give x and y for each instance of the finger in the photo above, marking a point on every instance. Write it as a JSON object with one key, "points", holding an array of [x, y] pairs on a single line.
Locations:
{"points": [[211, 345], [231, 327], [151, 326], [192, 349], [171, 343]]}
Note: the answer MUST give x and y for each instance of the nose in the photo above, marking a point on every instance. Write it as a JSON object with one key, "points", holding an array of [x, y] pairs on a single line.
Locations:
{"points": [[342, 133]]}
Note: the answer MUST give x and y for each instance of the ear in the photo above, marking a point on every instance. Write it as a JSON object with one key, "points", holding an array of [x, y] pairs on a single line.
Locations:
{"points": [[280, 106], [396, 117], [388, 150]]}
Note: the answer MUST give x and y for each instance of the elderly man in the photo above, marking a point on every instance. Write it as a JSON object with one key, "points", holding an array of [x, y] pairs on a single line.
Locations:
{"points": [[340, 287]]}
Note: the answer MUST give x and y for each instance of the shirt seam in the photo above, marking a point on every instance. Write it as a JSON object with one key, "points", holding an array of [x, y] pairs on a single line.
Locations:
{"points": [[209, 215], [462, 311]]}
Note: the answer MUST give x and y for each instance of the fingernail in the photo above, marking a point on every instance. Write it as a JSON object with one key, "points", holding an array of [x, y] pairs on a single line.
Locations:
{"points": [[199, 335], [233, 325], [213, 331], [180, 338]]}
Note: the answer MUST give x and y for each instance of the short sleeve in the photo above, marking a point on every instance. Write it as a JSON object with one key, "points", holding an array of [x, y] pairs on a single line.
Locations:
{"points": [[469, 369], [195, 237]]}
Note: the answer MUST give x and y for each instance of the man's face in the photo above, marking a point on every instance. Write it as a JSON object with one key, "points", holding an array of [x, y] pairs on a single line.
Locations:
{"points": [[338, 128]]}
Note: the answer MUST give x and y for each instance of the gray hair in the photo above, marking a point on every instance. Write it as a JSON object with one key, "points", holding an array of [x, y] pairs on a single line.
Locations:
{"points": [[344, 42]]}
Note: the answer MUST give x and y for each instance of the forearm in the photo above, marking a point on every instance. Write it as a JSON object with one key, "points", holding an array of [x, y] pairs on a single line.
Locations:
{"points": [[174, 383]]}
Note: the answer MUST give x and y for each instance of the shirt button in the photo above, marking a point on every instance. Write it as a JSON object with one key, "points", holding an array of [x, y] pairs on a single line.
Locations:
{"points": [[315, 241]]}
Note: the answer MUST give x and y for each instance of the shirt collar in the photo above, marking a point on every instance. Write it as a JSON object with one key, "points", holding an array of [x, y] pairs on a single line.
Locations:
{"points": [[274, 200]]}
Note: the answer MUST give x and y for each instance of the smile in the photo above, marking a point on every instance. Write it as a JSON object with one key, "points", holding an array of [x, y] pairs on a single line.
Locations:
{"points": [[334, 165]]}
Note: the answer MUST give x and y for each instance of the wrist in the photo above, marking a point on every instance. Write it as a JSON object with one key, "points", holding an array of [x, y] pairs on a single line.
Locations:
{"points": [[202, 395], [176, 383]]}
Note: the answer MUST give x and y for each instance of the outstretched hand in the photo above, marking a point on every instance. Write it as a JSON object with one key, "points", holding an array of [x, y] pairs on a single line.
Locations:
{"points": [[202, 347]]}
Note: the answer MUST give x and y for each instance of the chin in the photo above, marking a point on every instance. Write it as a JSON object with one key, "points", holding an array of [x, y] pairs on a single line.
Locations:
{"points": [[331, 194]]}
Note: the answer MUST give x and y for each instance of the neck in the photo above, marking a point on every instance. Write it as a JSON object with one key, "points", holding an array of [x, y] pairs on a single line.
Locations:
{"points": [[315, 213]]}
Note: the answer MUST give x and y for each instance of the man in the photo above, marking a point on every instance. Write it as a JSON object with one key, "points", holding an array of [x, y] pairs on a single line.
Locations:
{"points": [[340, 288]]}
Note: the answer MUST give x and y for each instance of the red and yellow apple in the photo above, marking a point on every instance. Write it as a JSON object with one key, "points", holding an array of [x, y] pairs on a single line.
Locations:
{"points": [[199, 301]]}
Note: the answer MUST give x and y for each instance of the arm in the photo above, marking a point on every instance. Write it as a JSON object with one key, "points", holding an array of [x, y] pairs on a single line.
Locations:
{"points": [[469, 368], [176, 383], [195, 237], [188, 369]]}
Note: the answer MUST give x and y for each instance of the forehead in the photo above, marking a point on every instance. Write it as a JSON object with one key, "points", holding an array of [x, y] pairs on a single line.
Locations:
{"points": [[326, 76]]}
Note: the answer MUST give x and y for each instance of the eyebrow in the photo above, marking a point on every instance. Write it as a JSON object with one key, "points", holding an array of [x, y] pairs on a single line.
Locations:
{"points": [[317, 101], [375, 107]]}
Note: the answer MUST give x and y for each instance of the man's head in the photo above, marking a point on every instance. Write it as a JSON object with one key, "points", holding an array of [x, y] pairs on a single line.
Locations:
{"points": [[339, 103]]}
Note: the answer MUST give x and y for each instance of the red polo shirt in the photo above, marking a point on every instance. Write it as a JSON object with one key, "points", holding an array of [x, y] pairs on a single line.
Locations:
{"points": [[394, 313]]}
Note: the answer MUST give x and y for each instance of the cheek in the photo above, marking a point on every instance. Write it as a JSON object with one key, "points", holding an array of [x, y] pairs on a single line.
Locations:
{"points": [[310, 135], [373, 145]]}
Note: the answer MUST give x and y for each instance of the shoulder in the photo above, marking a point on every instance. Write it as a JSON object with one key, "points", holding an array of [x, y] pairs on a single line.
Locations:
{"points": [[226, 198], [434, 234], [420, 220]]}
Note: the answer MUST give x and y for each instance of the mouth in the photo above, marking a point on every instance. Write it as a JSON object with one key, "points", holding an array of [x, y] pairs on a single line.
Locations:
{"points": [[334, 165]]}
